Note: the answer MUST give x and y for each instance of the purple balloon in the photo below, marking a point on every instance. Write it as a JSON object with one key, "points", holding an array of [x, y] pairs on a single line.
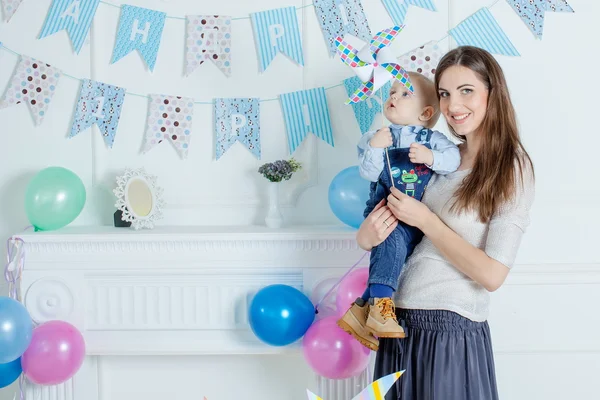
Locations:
{"points": [[333, 353], [350, 288], [55, 354]]}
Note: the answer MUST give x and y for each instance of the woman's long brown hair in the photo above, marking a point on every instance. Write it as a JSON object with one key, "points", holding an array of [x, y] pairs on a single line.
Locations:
{"points": [[492, 181]]}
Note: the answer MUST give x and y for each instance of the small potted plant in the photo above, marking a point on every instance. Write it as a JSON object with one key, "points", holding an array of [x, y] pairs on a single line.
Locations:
{"points": [[275, 172]]}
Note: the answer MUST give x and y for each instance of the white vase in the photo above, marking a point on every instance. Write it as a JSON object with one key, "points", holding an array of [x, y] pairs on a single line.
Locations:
{"points": [[274, 218]]}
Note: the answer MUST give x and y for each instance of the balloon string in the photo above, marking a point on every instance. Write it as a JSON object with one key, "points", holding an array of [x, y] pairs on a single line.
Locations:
{"points": [[387, 156], [338, 282]]}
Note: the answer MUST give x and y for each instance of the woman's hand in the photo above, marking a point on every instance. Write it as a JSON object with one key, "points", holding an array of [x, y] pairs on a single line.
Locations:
{"points": [[408, 210], [376, 227]]}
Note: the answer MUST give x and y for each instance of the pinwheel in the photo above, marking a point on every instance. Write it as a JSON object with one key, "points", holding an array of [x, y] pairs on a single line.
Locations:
{"points": [[374, 64], [374, 391]]}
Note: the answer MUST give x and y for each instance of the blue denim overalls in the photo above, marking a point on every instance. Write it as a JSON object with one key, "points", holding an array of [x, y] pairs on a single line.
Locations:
{"points": [[388, 258]]}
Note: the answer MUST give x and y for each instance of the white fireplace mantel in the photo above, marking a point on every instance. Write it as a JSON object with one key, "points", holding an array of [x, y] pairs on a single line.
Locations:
{"points": [[172, 290]]}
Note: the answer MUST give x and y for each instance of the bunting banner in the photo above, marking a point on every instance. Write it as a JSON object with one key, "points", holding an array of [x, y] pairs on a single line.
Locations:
{"points": [[73, 15], [532, 12], [306, 112], [398, 8], [208, 39], [237, 120], [33, 83], [341, 17], [482, 30], [9, 7], [277, 31], [423, 60], [141, 29], [169, 118], [100, 104], [365, 111]]}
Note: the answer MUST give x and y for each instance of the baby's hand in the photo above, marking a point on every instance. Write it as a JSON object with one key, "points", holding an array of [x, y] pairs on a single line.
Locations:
{"points": [[420, 154], [382, 139]]}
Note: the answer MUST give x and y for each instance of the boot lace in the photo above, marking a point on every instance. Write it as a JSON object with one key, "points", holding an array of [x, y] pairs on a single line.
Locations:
{"points": [[387, 308]]}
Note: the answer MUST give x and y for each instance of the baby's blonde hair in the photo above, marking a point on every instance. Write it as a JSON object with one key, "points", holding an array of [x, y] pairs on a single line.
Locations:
{"points": [[425, 89]]}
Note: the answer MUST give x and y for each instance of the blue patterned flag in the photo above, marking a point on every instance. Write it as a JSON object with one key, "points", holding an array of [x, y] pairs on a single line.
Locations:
{"points": [[365, 111], [482, 30], [73, 15], [532, 12], [306, 111], [101, 104], [237, 120], [277, 31], [398, 8], [339, 17], [141, 29]]}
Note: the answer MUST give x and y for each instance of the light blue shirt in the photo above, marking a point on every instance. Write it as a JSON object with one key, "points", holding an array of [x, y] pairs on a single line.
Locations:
{"points": [[371, 160]]}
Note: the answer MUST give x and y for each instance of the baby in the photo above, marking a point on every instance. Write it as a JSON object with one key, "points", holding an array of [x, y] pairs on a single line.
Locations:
{"points": [[414, 151]]}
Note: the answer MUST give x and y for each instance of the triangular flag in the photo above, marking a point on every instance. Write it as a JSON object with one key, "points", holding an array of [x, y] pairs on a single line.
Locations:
{"points": [[33, 83], [100, 104], [141, 29], [73, 15], [398, 8], [208, 39], [341, 17], [277, 31], [170, 119], [237, 120], [306, 111], [423, 60], [9, 7], [482, 30], [532, 12]]}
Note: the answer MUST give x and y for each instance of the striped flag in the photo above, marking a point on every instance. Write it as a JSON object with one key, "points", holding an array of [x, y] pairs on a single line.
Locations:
{"points": [[482, 30], [73, 15], [306, 112], [398, 8], [277, 31]]}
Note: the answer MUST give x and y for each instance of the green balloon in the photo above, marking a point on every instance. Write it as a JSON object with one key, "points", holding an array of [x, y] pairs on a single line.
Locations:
{"points": [[54, 198]]}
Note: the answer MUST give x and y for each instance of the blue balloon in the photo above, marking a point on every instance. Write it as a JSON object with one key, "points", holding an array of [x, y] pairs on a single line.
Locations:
{"points": [[280, 314], [9, 372], [348, 195], [15, 329]]}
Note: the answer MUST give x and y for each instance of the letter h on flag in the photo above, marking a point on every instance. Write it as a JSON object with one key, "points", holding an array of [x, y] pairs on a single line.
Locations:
{"points": [[73, 15], [141, 29], [306, 111], [277, 31]]}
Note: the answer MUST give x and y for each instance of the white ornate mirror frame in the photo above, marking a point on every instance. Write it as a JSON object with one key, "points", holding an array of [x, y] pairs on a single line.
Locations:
{"points": [[139, 198]]}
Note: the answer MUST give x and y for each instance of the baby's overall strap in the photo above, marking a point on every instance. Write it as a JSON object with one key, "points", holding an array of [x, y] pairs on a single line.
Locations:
{"points": [[424, 137]]}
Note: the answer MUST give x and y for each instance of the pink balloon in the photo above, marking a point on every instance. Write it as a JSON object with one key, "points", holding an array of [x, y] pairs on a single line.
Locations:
{"points": [[333, 353], [55, 354], [350, 288]]}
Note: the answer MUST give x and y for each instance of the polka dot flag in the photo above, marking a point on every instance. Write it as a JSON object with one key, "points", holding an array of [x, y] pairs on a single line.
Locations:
{"points": [[33, 83], [169, 119]]}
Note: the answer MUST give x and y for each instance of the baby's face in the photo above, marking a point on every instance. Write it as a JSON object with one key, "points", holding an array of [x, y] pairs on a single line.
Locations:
{"points": [[403, 107]]}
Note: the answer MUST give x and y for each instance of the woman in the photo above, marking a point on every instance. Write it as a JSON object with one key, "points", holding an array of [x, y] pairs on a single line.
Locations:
{"points": [[473, 221]]}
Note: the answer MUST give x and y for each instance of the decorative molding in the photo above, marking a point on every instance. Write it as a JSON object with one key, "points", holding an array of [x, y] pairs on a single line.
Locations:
{"points": [[153, 302], [49, 299]]}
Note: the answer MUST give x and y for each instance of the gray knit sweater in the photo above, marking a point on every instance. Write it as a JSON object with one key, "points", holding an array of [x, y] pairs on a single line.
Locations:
{"points": [[430, 282]]}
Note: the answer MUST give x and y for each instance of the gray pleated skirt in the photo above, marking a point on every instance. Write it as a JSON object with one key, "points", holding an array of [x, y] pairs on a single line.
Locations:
{"points": [[446, 357]]}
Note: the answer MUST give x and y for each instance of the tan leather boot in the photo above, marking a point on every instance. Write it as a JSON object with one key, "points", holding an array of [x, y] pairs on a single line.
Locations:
{"points": [[382, 321], [354, 321]]}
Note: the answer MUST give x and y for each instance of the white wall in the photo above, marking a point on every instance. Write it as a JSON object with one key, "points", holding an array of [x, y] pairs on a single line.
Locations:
{"points": [[551, 84]]}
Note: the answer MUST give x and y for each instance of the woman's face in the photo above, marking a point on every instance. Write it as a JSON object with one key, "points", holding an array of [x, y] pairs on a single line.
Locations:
{"points": [[463, 99]]}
